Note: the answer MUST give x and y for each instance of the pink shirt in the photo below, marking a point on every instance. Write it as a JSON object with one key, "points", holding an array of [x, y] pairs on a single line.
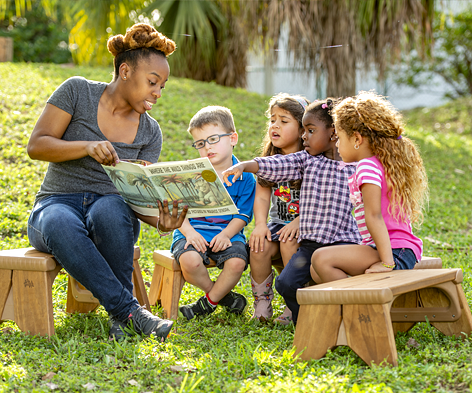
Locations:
{"points": [[370, 170]]}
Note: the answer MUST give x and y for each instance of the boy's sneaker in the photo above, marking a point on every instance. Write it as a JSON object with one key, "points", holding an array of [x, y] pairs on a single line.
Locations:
{"points": [[234, 302], [148, 324], [201, 307], [118, 330]]}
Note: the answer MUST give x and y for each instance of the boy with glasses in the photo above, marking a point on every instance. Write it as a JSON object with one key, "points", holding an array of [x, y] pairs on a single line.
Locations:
{"points": [[220, 238]]}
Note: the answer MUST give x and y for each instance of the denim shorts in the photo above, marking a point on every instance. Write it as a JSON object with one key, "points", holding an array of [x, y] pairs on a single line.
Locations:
{"points": [[404, 258], [236, 250]]}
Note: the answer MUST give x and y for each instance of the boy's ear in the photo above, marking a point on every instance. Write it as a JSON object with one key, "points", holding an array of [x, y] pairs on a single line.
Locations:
{"points": [[234, 138]]}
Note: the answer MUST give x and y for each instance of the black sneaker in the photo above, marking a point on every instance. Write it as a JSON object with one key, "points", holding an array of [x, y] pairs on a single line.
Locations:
{"points": [[234, 302], [148, 324], [118, 330], [201, 307]]}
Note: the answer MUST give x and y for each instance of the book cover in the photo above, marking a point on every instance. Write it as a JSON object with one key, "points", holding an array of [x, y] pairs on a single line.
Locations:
{"points": [[194, 183]]}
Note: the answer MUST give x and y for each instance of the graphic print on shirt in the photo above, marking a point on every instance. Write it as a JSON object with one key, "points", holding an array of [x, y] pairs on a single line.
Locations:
{"points": [[366, 172], [288, 200]]}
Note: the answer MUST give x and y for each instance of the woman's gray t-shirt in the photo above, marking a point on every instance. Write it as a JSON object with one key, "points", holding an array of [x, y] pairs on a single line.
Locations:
{"points": [[80, 97]]}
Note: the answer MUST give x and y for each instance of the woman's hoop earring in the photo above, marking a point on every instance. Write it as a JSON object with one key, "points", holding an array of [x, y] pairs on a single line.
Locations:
{"points": [[356, 147]]}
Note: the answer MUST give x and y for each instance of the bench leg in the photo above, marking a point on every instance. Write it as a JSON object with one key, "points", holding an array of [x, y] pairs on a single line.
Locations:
{"points": [[407, 300], [139, 288], [166, 287], [317, 330], [5, 286], [73, 305], [32, 299], [432, 297], [369, 332]]}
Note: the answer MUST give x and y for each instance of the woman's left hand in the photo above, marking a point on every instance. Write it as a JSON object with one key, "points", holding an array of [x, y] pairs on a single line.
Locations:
{"points": [[167, 221]]}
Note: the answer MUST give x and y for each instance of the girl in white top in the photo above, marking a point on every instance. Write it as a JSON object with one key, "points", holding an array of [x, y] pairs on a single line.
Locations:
{"points": [[387, 191], [274, 242]]}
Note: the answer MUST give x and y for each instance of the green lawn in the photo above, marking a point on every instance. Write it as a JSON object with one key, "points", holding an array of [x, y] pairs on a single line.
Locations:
{"points": [[223, 353]]}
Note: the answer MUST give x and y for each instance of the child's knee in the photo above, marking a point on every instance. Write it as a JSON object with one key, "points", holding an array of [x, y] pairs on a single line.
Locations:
{"points": [[190, 261], [319, 259], [235, 265]]}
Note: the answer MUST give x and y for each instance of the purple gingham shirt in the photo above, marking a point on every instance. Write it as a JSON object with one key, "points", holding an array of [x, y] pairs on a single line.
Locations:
{"points": [[325, 208]]}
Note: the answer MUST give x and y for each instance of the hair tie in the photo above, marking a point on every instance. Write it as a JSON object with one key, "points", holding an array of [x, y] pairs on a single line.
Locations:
{"points": [[399, 137], [301, 101], [324, 106]]}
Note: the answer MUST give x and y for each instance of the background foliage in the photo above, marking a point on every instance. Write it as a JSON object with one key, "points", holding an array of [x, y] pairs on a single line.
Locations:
{"points": [[37, 36], [222, 353], [452, 59]]}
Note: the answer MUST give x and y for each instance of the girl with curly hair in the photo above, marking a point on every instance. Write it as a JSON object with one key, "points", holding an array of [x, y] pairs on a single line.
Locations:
{"points": [[78, 215], [387, 190]]}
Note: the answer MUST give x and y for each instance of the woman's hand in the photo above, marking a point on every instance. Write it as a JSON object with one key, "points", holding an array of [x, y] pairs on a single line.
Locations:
{"points": [[103, 152], [289, 231], [167, 221], [258, 236]]}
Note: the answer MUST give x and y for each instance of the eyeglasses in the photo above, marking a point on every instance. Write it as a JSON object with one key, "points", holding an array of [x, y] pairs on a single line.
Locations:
{"points": [[212, 139]]}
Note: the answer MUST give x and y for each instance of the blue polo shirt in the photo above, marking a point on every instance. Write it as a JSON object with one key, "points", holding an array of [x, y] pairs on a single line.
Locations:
{"points": [[242, 193]]}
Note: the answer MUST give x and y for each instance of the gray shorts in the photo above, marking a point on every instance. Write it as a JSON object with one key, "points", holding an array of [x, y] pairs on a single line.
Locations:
{"points": [[236, 250]]}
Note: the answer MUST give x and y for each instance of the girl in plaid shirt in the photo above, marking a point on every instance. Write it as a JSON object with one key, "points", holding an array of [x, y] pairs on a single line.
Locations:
{"points": [[325, 207], [387, 190]]}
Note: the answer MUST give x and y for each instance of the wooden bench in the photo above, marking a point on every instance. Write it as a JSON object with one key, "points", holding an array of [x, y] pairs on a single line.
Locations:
{"points": [[26, 278], [365, 312], [167, 283]]}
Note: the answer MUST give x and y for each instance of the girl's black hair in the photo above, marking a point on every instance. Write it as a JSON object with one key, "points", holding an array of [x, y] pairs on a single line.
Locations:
{"points": [[322, 110]]}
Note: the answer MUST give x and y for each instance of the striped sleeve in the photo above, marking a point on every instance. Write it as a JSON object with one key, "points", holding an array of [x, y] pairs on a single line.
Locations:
{"points": [[368, 172]]}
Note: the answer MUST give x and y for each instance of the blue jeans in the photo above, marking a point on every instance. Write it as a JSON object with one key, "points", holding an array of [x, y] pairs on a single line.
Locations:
{"points": [[297, 273], [92, 236]]}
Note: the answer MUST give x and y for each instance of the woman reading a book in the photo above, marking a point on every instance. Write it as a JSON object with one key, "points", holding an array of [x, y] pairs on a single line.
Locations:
{"points": [[78, 215]]}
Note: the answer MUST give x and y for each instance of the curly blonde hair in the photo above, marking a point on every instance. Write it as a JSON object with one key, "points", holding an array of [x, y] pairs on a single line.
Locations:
{"points": [[140, 41], [295, 105], [373, 117]]}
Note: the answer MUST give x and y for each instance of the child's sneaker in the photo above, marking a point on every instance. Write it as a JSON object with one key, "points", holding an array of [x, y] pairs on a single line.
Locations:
{"points": [[201, 307], [118, 330], [285, 318], [234, 302], [148, 324]]}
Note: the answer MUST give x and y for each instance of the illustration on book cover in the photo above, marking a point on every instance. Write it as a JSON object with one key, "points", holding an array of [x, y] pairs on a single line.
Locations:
{"points": [[194, 183]]}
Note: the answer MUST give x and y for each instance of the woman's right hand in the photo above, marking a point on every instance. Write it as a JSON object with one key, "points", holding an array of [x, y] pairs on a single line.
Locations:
{"points": [[168, 222], [258, 236], [103, 152]]}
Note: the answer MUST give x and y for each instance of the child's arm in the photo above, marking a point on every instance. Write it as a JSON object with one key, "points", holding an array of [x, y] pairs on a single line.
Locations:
{"points": [[223, 240], [371, 194], [238, 169], [290, 231], [193, 237], [261, 211]]}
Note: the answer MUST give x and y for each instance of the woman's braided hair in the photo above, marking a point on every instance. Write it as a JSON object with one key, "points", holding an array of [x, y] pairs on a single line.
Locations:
{"points": [[373, 117], [140, 41]]}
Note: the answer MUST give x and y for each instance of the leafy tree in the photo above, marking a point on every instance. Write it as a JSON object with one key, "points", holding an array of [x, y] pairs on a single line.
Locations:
{"points": [[452, 60], [37, 36], [333, 37]]}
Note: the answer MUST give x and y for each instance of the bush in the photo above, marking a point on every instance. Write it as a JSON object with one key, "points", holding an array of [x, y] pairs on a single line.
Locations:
{"points": [[37, 37]]}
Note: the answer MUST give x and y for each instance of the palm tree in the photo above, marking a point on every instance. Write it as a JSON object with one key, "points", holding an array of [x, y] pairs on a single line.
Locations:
{"points": [[116, 177], [331, 38], [176, 180], [135, 181]]}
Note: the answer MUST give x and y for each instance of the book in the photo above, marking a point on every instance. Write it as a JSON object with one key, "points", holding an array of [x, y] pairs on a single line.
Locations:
{"points": [[193, 182]]}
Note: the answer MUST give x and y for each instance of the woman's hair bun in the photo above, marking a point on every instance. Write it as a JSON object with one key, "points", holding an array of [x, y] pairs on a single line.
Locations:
{"points": [[140, 35]]}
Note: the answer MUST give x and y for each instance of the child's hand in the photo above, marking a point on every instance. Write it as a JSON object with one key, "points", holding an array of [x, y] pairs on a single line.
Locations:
{"points": [[235, 170], [197, 241], [258, 236], [220, 242], [289, 231], [378, 267]]}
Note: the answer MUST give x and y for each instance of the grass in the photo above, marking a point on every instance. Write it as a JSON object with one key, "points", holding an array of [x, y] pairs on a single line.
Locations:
{"points": [[223, 353]]}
